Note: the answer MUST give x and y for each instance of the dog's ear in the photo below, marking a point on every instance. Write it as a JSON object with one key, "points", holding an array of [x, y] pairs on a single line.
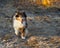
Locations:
{"points": [[14, 14], [24, 14]]}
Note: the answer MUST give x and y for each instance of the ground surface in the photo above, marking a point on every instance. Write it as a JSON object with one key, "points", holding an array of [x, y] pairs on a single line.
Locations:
{"points": [[44, 32]]}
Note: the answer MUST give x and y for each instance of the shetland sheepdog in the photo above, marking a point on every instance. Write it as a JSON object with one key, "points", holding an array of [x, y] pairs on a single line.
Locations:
{"points": [[20, 24]]}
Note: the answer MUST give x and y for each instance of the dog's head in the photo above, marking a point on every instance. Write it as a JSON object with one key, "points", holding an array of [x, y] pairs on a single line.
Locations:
{"points": [[20, 15]]}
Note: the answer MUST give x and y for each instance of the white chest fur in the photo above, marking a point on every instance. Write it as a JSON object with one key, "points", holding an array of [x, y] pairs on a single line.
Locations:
{"points": [[18, 24]]}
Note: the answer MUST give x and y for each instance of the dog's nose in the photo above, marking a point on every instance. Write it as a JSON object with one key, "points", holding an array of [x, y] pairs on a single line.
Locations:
{"points": [[23, 20]]}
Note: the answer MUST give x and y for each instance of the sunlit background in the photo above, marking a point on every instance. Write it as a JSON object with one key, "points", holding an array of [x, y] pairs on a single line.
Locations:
{"points": [[46, 3]]}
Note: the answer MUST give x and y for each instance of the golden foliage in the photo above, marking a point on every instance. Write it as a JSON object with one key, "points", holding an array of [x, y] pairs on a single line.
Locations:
{"points": [[46, 2]]}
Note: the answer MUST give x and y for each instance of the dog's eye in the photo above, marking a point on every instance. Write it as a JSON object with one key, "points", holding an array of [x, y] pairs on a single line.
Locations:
{"points": [[17, 15]]}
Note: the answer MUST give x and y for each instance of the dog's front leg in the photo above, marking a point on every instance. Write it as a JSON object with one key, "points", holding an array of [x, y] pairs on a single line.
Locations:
{"points": [[22, 31], [16, 31]]}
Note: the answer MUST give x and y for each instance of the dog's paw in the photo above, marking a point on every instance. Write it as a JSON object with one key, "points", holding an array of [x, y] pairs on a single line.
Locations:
{"points": [[23, 37]]}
